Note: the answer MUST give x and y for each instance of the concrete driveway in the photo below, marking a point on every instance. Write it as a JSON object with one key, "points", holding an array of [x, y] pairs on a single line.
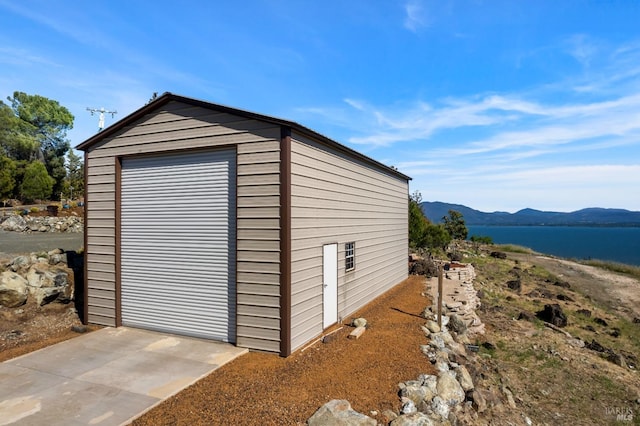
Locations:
{"points": [[107, 377]]}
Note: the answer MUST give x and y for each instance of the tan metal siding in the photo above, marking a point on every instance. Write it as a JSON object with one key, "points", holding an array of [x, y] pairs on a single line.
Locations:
{"points": [[339, 199], [100, 250], [177, 126]]}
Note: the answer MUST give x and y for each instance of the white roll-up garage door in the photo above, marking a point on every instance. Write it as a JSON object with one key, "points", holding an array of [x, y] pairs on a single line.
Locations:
{"points": [[178, 244]]}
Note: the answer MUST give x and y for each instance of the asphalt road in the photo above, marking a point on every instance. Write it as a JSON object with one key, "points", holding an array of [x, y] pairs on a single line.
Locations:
{"points": [[19, 243]]}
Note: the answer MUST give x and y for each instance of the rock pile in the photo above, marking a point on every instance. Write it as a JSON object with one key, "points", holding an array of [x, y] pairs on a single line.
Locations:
{"points": [[29, 224], [45, 277], [449, 396]]}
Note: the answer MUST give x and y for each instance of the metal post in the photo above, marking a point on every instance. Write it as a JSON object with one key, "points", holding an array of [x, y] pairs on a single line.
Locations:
{"points": [[440, 296]]}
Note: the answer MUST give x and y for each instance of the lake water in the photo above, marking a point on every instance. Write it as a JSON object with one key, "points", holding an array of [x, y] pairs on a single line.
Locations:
{"points": [[577, 242]]}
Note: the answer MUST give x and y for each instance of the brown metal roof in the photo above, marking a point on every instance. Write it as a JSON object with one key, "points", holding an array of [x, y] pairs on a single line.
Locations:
{"points": [[168, 97]]}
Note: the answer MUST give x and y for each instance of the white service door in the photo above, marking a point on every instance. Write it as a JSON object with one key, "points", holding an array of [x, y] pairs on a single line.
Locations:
{"points": [[330, 285]]}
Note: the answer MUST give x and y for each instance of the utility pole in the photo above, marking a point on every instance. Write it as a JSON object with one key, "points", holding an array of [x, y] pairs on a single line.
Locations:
{"points": [[102, 111]]}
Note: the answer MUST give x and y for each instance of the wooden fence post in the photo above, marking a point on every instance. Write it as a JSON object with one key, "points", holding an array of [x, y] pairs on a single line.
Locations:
{"points": [[440, 296]]}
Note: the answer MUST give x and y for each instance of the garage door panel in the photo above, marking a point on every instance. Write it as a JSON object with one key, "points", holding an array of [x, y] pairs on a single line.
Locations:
{"points": [[178, 244]]}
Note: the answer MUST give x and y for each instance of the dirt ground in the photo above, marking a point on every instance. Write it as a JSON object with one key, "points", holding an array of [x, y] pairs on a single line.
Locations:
{"points": [[31, 327], [621, 295], [266, 389], [555, 379], [72, 211], [552, 381]]}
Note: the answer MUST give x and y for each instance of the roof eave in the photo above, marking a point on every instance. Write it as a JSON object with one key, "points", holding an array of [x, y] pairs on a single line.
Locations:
{"points": [[168, 97]]}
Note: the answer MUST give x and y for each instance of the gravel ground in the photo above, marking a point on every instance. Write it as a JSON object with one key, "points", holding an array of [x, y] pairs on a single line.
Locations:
{"points": [[266, 389], [17, 242]]}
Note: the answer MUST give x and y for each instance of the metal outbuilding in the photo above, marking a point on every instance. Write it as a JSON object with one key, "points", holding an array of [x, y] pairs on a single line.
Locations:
{"points": [[215, 222]]}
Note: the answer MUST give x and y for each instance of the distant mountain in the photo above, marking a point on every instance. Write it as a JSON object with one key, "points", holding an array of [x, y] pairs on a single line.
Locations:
{"points": [[436, 210]]}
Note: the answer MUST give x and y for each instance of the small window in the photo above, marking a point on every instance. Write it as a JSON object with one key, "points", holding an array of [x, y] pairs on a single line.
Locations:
{"points": [[350, 256]]}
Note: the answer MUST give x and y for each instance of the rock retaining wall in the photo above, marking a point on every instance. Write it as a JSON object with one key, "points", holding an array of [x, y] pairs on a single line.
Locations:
{"points": [[450, 396], [29, 224]]}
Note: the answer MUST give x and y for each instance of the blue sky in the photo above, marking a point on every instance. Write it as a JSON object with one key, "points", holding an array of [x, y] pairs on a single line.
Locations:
{"points": [[498, 105]]}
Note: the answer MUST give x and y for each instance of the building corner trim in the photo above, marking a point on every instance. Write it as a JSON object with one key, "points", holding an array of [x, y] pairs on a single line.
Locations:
{"points": [[285, 241]]}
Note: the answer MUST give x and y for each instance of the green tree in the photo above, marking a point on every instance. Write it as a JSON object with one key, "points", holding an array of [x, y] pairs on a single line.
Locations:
{"points": [[21, 167], [455, 226], [417, 222], [422, 233], [75, 174], [15, 141], [45, 123], [7, 177], [36, 184], [436, 237]]}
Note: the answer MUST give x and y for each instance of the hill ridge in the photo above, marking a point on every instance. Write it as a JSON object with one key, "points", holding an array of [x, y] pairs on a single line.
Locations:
{"points": [[589, 216]]}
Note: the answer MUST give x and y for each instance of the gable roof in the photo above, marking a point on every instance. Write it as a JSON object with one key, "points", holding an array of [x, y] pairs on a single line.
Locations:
{"points": [[168, 97]]}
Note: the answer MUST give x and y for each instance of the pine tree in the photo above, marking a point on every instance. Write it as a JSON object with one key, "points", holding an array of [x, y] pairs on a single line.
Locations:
{"points": [[37, 184]]}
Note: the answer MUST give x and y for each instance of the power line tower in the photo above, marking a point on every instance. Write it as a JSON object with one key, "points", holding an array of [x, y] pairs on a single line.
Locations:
{"points": [[102, 112]]}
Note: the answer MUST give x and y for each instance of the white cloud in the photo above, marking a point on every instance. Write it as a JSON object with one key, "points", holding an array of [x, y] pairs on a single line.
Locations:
{"points": [[564, 145], [582, 48], [415, 16], [562, 188]]}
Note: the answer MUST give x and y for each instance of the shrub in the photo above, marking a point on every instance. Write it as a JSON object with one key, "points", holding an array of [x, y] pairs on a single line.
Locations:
{"points": [[482, 239], [426, 267]]}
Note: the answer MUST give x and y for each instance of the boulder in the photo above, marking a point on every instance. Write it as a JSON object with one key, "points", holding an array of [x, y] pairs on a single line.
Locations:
{"points": [[479, 401], [600, 321], [464, 378], [509, 396], [408, 406], [449, 389], [47, 285], [562, 284], [338, 412], [498, 254], [429, 385], [19, 262], [413, 419], [515, 285], [14, 223], [595, 346], [437, 342], [457, 324], [433, 326], [414, 392], [429, 351], [55, 259], [13, 290], [553, 314], [617, 359], [564, 297], [440, 407]]}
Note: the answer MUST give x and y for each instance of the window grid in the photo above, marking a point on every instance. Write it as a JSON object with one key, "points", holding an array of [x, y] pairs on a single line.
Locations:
{"points": [[350, 256]]}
